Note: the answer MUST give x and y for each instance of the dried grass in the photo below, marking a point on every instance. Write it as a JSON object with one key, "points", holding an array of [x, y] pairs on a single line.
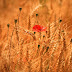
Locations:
{"points": [[55, 59]]}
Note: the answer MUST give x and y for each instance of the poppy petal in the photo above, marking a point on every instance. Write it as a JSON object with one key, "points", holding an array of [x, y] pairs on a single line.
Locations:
{"points": [[39, 28]]}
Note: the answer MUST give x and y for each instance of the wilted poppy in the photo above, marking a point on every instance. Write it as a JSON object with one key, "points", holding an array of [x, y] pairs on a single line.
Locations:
{"points": [[39, 28]]}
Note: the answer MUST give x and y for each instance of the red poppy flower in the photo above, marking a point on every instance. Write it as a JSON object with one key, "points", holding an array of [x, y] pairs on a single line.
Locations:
{"points": [[39, 28]]}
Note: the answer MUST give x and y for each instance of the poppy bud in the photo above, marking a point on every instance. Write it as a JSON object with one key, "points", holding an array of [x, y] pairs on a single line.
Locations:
{"points": [[71, 40], [46, 32], [8, 25], [60, 20], [43, 36], [15, 21], [36, 15], [34, 32], [20, 9], [46, 50], [38, 46]]}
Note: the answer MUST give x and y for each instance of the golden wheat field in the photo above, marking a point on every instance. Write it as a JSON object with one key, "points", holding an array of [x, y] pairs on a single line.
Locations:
{"points": [[35, 35]]}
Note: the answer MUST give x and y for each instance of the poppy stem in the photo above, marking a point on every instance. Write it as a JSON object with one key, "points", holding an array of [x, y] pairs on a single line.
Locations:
{"points": [[17, 32], [55, 21], [48, 30], [21, 54], [40, 35], [43, 37], [19, 15], [8, 30], [51, 5], [10, 50], [41, 64], [37, 19], [27, 54], [7, 33]]}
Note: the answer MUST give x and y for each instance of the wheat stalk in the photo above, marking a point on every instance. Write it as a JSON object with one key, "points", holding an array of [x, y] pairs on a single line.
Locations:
{"points": [[0, 38], [35, 9], [21, 55], [30, 34], [10, 49], [17, 31], [41, 70], [0, 31], [70, 63], [51, 5], [29, 24], [62, 54]]}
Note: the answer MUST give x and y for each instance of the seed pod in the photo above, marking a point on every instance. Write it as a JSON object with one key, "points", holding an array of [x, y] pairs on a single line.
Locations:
{"points": [[71, 40], [15, 21], [46, 32], [34, 32], [60, 20], [43, 36], [62, 30], [36, 15], [20, 9], [8, 25], [47, 49], [38, 46]]}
